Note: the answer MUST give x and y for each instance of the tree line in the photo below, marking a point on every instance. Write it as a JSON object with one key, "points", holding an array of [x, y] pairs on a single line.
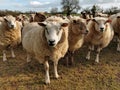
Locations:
{"points": [[68, 7]]}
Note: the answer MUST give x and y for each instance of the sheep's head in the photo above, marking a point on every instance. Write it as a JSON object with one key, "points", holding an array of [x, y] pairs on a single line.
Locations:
{"points": [[39, 17], [101, 24], [53, 32], [11, 21], [79, 26]]}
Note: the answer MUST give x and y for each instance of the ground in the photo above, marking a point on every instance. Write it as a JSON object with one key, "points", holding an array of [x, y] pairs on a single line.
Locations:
{"points": [[17, 74]]}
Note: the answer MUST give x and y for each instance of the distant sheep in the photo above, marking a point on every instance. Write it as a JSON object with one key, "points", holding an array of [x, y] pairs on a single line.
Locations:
{"points": [[37, 17], [45, 41], [77, 31], [10, 34], [23, 19], [102, 15], [100, 34]]}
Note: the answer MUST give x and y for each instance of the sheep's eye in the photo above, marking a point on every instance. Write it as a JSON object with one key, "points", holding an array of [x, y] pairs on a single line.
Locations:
{"points": [[46, 30]]}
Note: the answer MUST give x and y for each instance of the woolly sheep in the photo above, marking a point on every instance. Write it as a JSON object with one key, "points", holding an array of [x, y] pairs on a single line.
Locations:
{"points": [[45, 41], [77, 31], [23, 19], [10, 34], [102, 15], [100, 34], [116, 27]]}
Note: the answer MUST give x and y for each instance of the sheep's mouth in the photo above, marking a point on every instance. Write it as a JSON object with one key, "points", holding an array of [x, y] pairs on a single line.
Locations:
{"points": [[51, 44]]}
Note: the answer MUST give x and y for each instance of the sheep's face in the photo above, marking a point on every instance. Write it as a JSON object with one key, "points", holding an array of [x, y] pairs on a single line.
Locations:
{"points": [[79, 27], [101, 25], [53, 32], [11, 21]]}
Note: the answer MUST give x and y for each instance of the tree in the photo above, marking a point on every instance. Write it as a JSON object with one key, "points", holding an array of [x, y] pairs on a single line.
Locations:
{"points": [[112, 10], [54, 10], [70, 6], [95, 9]]}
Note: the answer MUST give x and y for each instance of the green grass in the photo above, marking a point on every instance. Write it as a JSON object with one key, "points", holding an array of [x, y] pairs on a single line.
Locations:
{"points": [[17, 74]]}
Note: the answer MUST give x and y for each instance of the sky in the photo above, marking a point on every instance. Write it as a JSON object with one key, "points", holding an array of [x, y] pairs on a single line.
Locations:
{"points": [[46, 5]]}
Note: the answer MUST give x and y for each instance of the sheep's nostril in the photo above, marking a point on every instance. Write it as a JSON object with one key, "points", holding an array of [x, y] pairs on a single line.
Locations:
{"points": [[12, 26], [87, 31], [101, 28], [51, 41]]}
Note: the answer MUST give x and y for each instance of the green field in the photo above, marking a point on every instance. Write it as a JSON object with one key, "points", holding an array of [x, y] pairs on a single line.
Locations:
{"points": [[17, 74]]}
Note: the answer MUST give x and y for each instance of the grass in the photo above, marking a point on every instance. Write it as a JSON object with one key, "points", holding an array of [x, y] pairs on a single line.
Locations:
{"points": [[17, 74]]}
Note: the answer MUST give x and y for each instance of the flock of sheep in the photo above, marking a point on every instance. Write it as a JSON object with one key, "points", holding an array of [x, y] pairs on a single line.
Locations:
{"points": [[54, 37]]}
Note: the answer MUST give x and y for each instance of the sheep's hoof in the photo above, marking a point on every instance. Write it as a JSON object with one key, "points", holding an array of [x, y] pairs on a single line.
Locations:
{"points": [[47, 82], [57, 76], [5, 59], [87, 58], [96, 61], [118, 50], [13, 56]]}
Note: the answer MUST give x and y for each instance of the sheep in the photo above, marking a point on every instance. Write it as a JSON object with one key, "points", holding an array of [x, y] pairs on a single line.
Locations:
{"points": [[37, 17], [100, 34], [45, 41], [116, 27], [102, 15], [10, 34], [77, 31], [23, 19]]}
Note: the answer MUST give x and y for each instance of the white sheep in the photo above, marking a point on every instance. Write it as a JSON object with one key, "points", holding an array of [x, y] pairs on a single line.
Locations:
{"points": [[77, 31], [102, 15], [100, 34], [23, 19], [10, 34], [116, 27], [45, 41]]}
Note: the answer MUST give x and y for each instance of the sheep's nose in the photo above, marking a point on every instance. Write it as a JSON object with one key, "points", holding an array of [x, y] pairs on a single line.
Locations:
{"points": [[101, 29], [12, 26], [51, 42], [87, 31]]}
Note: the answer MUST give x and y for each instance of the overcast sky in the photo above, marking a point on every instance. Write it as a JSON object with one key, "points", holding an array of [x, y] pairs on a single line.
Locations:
{"points": [[46, 5]]}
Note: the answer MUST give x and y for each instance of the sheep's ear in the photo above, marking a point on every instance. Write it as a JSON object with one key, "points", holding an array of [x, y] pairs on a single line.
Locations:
{"points": [[87, 20], [94, 20], [64, 24], [108, 21], [36, 13], [74, 21], [118, 16], [5, 19], [42, 24]]}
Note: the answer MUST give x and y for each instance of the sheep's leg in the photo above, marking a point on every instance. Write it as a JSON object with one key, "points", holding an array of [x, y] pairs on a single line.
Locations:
{"points": [[97, 55], [28, 57], [55, 69], [89, 52], [118, 44], [92, 48], [4, 55], [72, 58], [12, 53], [47, 77], [67, 58]]}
